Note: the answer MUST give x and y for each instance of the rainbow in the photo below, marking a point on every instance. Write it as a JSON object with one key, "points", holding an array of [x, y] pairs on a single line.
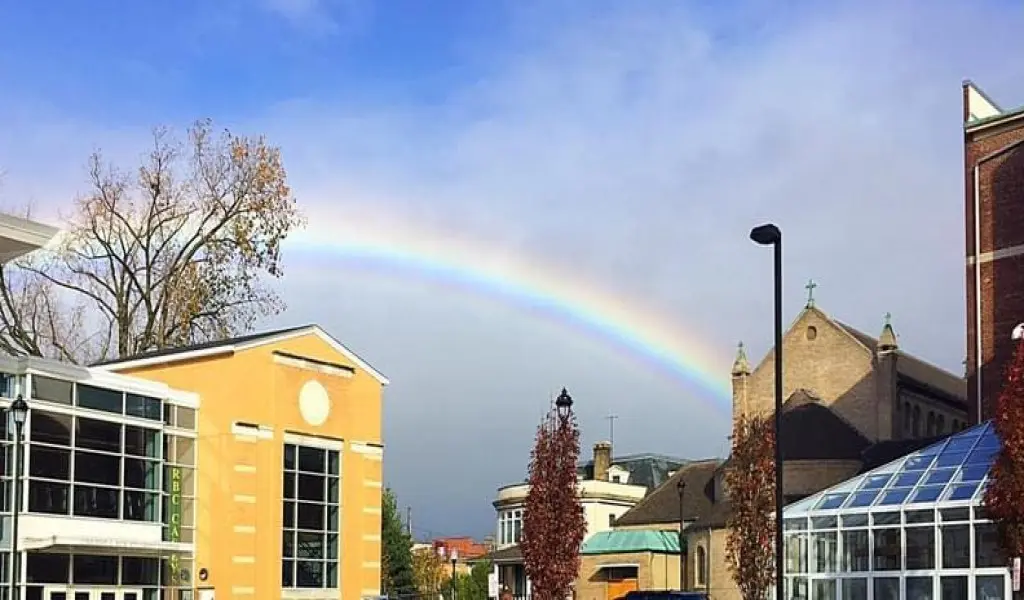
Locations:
{"points": [[600, 314]]}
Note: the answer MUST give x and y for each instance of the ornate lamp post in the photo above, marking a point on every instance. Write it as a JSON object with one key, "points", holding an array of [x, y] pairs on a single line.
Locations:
{"points": [[19, 413], [770, 235], [454, 558], [681, 487]]}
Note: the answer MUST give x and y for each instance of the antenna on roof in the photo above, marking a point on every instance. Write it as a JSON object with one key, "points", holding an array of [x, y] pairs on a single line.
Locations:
{"points": [[611, 430]]}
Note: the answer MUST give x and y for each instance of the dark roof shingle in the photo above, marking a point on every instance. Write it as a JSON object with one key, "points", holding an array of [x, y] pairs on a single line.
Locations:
{"points": [[662, 505]]}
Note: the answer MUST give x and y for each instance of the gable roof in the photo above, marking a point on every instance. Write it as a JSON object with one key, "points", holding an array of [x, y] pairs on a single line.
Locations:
{"points": [[648, 470], [915, 370], [662, 505], [955, 469], [232, 345], [823, 435]]}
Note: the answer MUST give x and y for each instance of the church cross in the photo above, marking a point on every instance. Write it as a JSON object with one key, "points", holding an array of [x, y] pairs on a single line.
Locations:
{"points": [[810, 292]]}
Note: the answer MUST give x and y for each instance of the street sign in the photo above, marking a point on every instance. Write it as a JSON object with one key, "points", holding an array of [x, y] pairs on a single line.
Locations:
{"points": [[1016, 574], [492, 585]]}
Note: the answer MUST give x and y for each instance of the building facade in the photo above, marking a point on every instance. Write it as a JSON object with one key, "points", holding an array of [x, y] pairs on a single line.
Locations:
{"points": [[607, 487], [107, 484], [994, 218], [290, 464]]}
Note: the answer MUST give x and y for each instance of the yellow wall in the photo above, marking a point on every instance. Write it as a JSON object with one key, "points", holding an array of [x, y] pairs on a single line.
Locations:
{"points": [[239, 487], [654, 572]]}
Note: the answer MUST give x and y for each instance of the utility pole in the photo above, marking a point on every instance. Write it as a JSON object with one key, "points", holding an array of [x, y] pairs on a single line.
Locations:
{"points": [[408, 520]]}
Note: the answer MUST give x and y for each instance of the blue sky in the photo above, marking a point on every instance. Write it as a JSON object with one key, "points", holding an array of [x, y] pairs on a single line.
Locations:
{"points": [[631, 144]]}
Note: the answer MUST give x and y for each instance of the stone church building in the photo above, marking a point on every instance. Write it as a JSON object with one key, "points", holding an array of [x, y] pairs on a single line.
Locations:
{"points": [[853, 402]]}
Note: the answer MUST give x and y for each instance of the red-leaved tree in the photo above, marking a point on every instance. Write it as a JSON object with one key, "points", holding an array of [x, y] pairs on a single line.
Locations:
{"points": [[750, 479], [1006, 485], [553, 523]]}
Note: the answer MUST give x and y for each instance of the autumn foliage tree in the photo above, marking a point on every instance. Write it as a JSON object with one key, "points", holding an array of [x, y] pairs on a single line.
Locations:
{"points": [[1006, 478], [750, 479], [178, 250], [553, 523], [428, 571]]}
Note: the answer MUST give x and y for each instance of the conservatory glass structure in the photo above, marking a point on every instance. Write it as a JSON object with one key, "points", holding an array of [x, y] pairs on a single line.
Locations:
{"points": [[913, 529]]}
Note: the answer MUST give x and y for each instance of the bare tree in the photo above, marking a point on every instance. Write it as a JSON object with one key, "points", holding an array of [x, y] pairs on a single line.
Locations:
{"points": [[176, 252]]}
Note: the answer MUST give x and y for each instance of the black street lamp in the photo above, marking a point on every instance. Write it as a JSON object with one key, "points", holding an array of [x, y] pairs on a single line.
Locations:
{"points": [[454, 559], [770, 235], [19, 412], [681, 487], [564, 404]]}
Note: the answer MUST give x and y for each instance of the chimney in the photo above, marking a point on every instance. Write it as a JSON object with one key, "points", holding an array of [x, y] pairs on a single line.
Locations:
{"points": [[602, 460]]}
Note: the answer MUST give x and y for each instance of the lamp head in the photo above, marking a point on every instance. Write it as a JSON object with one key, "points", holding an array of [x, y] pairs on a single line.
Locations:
{"points": [[766, 235], [19, 410], [455, 555], [563, 403]]}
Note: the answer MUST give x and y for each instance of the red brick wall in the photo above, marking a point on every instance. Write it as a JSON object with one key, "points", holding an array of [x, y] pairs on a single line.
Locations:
{"points": [[1000, 226]]}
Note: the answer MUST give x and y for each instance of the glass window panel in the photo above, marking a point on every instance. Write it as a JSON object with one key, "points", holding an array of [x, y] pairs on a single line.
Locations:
{"points": [[139, 441], [52, 390], [954, 514], [796, 588], [787, 524], [288, 543], [987, 548], [168, 414], [887, 588], [831, 501], [312, 487], [961, 443], [927, 494], [952, 459], [920, 462], [885, 518], [953, 588], [100, 399], [289, 457], [973, 473], [855, 551], [989, 587], [288, 485], [309, 574], [186, 418], [824, 589], [855, 588], [92, 501], [141, 506], [86, 568], [49, 463], [956, 546], [919, 588], [288, 573], [938, 476], [333, 463], [875, 482], [920, 548], [854, 520], [310, 516], [333, 513], [332, 574], [288, 515], [887, 549], [310, 545], [982, 456], [796, 553], [143, 406], [185, 451], [907, 479], [963, 492], [50, 428], [920, 516], [988, 440], [92, 467], [95, 434], [830, 522], [333, 490], [48, 497], [862, 498], [142, 474], [140, 571], [47, 568], [897, 496], [332, 546], [825, 552], [312, 460]]}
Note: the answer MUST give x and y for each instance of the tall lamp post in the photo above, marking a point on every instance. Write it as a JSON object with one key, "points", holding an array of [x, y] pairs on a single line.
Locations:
{"points": [[19, 412], [770, 235], [681, 487], [454, 558]]}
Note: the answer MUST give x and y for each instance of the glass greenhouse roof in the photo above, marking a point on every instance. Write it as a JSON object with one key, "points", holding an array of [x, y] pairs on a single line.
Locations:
{"points": [[953, 471]]}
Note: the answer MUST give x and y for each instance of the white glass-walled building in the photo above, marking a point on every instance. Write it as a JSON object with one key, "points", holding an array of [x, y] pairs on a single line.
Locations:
{"points": [[913, 529]]}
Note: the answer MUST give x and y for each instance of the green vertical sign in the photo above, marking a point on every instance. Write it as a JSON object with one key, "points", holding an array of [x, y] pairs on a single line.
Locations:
{"points": [[174, 520]]}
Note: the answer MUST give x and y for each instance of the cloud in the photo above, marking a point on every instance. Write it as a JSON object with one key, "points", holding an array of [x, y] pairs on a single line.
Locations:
{"points": [[321, 17], [633, 144]]}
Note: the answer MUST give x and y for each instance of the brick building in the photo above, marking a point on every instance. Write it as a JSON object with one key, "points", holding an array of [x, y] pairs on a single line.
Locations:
{"points": [[853, 402], [994, 210]]}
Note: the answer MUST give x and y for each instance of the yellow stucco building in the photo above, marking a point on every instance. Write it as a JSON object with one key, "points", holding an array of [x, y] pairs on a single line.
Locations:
{"points": [[286, 500]]}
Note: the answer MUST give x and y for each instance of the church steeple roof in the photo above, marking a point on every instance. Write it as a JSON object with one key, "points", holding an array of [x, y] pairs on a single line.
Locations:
{"points": [[887, 339], [740, 366]]}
